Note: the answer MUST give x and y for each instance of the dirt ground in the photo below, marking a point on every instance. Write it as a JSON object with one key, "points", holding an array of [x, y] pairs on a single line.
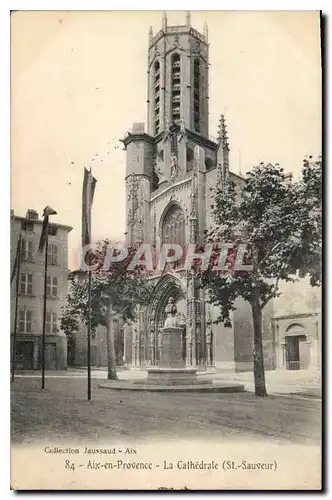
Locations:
{"points": [[62, 412]]}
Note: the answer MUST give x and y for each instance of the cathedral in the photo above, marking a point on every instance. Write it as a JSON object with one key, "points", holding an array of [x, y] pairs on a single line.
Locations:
{"points": [[172, 170]]}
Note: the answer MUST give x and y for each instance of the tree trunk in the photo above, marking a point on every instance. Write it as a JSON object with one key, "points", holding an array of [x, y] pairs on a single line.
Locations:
{"points": [[111, 358], [259, 373]]}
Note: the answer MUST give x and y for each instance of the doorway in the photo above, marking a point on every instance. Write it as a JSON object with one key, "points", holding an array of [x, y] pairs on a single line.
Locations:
{"points": [[50, 356], [24, 355], [297, 352]]}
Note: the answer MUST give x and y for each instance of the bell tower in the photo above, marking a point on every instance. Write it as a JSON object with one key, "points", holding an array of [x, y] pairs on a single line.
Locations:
{"points": [[172, 170], [178, 83]]}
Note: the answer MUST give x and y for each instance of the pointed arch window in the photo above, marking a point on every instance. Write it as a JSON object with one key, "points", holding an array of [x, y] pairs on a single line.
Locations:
{"points": [[174, 229], [197, 94], [156, 97], [176, 88]]}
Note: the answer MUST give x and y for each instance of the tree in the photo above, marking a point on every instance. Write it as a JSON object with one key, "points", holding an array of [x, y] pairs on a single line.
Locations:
{"points": [[278, 222], [116, 291], [308, 255]]}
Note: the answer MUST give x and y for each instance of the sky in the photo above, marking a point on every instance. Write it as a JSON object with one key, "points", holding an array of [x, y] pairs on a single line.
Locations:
{"points": [[78, 82]]}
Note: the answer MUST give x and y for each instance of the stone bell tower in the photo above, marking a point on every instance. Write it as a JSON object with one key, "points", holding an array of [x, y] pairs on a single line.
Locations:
{"points": [[178, 85], [172, 169]]}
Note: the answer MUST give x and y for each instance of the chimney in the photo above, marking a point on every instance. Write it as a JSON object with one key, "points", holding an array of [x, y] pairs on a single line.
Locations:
{"points": [[31, 214]]}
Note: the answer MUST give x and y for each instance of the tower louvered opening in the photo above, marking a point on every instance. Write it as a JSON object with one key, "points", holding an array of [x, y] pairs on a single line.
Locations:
{"points": [[157, 97], [197, 76], [176, 88]]}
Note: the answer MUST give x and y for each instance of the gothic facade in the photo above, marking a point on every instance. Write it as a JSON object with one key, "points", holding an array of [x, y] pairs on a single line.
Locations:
{"points": [[172, 171]]}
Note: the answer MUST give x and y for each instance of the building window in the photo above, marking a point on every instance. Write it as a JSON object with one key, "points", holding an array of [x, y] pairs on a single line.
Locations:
{"points": [[52, 286], [52, 230], [197, 96], [156, 97], [24, 323], [52, 254], [26, 284], [26, 250], [174, 229], [27, 226], [176, 88], [51, 325]]}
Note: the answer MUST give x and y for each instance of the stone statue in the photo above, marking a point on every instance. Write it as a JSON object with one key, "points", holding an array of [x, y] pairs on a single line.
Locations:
{"points": [[135, 335], [167, 124], [182, 129], [135, 343], [167, 129], [193, 204], [160, 346], [208, 334], [159, 172], [198, 335], [174, 166], [171, 311], [209, 345], [152, 346]]}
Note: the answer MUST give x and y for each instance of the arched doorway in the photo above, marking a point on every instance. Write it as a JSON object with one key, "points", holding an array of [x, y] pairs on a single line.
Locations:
{"points": [[297, 349], [168, 286]]}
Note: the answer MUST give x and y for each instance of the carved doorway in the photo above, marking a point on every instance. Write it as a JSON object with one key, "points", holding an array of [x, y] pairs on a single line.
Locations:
{"points": [[168, 286]]}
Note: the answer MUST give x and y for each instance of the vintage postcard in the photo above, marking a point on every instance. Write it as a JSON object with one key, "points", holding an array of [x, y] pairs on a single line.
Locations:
{"points": [[166, 233]]}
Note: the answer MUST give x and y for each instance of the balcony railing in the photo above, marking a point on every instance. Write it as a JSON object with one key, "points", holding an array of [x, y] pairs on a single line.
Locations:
{"points": [[197, 35], [177, 29], [293, 365], [156, 37]]}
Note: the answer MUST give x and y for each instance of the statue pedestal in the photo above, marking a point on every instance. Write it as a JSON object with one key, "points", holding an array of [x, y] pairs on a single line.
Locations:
{"points": [[172, 369], [171, 349]]}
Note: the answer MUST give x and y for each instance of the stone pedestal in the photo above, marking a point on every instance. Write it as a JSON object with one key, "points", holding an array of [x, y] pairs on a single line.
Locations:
{"points": [[172, 369], [171, 348]]}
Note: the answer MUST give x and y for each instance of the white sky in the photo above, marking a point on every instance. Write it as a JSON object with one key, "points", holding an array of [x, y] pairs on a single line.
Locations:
{"points": [[79, 82]]}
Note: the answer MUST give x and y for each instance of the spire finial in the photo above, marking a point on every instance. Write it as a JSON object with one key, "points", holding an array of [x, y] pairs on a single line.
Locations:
{"points": [[222, 132], [150, 34], [164, 21], [206, 32], [188, 18]]}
